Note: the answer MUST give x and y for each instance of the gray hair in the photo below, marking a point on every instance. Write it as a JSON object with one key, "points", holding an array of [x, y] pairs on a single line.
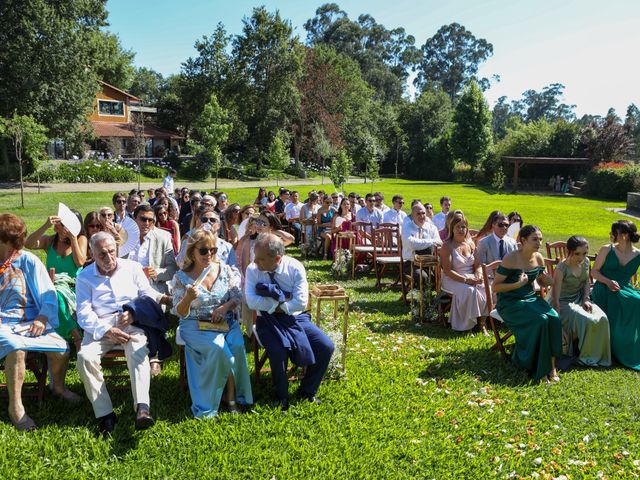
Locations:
{"points": [[101, 237], [272, 243], [210, 198]]}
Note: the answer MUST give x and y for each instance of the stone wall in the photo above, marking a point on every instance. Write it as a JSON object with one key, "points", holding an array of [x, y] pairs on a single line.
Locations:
{"points": [[633, 201]]}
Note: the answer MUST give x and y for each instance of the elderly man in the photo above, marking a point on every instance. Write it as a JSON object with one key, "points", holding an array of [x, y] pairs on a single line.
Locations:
{"points": [[440, 218], [102, 290], [155, 250], [292, 215], [395, 214], [495, 246], [419, 235], [369, 213], [276, 287]]}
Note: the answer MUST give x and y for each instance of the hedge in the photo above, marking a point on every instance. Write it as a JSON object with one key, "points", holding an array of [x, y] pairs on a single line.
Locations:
{"points": [[613, 181]]}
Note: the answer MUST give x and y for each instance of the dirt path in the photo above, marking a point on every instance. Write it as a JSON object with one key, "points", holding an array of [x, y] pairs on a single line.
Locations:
{"points": [[125, 187]]}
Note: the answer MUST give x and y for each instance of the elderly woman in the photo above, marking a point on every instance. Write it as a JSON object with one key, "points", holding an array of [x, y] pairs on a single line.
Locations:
{"points": [[207, 219], [206, 294], [462, 278], [535, 325], [583, 323], [29, 313]]}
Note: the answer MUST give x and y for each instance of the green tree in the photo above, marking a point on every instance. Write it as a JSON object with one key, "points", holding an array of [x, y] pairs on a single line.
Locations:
{"points": [[213, 128], [471, 137], [28, 138], [112, 63], [340, 169], [451, 58], [545, 104], [278, 154], [147, 84], [267, 65]]}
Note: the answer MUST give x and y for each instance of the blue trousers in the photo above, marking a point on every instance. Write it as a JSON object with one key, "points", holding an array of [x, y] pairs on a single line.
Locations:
{"points": [[279, 358]]}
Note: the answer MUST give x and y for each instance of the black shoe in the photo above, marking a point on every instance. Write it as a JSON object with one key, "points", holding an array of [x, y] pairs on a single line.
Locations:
{"points": [[284, 405], [144, 419], [308, 397], [107, 424]]}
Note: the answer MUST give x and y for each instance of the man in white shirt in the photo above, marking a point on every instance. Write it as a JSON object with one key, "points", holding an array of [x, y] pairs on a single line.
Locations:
{"points": [[353, 203], [395, 214], [292, 214], [102, 289], [282, 327], [379, 202], [369, 213], [419, 235], [155, 250], [439, 219], [168, 182], [336, 198], [495, 246]]}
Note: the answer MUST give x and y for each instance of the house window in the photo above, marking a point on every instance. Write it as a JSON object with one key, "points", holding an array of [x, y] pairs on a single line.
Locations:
{"points": [[111, 107]]}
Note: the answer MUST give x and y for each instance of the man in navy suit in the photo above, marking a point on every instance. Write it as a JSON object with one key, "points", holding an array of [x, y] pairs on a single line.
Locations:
{"points": [[497, 244]]}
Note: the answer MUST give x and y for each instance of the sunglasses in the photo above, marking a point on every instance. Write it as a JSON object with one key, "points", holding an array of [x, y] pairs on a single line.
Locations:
{"points": [[429, 208], [162, 213], [121, 201], [146, 219], [94, 226], [206, 204], [369, 201], [208, 220], [503, 225], [105, 215], [206, 250]]}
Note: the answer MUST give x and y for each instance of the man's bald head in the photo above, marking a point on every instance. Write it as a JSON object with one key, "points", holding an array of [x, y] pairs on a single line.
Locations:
{"points": [[418, 213], [268, 249]]}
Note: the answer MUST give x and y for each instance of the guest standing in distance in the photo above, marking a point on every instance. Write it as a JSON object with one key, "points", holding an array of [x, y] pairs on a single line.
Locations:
{"points": [[167, 183]]}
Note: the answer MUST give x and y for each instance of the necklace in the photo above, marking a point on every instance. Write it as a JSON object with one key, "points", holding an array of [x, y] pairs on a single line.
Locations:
{"points": [[8, 261]]}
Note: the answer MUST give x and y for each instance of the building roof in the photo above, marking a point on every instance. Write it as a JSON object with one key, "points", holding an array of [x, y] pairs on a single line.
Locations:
{"points": [[108, 129], [133, 97]]}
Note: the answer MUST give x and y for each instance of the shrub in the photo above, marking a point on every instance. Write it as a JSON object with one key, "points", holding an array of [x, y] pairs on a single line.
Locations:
{"points": [[613, 183], [462, 172], [296, 171], [198, 167], [159, 151], [253, 171], [152, 171], [86, 172]]}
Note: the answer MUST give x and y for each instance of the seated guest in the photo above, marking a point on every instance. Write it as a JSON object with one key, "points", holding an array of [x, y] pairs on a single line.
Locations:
{"points": [[429, 207], [267, 222], [281, 203], [515, 217], [584, 324], [361, 201], [102, 290], [487, 228], [92, 225], [324, 216], [535, 325], [167, 224], [247, 212], [208, 219], [151, 196], [614, 267], [207, 292], [309, 211], [276, 288], [29, 313], [440, 218], [369, 213], [119, 201], [107, 219], [419, 236], [155, 250], [292, 215], [231, 223], [353, 203], [185, 220], [341, 222], [336, 198], [444, 233], [379, 202], [132, 203], [463, 279], [496, 244], [271, 202], [222, 203], [261, 199], [395, 214]]}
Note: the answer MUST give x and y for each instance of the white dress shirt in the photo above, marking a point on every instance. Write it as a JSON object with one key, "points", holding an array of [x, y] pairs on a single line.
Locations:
{"points": [[292, 210], [384, 209], [439, 219], [100, 298], [141, 254], [290, 275], [168, 184], [415, 238], [394, 216], [374, 217]]}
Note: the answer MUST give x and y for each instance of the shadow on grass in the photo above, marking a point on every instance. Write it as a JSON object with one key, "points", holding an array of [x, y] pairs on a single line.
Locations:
{"points": [[414, 327], [482, 363]]}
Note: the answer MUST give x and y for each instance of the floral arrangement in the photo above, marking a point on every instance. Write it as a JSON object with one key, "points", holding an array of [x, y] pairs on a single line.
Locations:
{"points": [[310, 247], [341, 263]]}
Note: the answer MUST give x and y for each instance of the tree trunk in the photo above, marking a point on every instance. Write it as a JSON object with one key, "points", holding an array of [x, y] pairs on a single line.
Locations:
{"points": [[4, 155]]}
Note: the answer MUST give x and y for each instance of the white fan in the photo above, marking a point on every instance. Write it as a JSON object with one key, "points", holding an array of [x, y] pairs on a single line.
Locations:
{"points": [[130, 234], [514, 228], [69, 219]]}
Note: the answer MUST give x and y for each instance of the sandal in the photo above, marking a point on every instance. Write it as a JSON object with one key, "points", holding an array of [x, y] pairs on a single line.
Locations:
{"points": [[25, 424], [69, 396], [233, 407]]}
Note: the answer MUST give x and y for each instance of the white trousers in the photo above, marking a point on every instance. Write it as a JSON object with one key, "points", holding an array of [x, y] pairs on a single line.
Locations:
{"points": [[90, 369]]}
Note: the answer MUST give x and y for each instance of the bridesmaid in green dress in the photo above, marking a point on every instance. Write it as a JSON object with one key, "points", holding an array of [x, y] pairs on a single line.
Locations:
{"points": [[613, 292], [534, 324], [582, 321]]}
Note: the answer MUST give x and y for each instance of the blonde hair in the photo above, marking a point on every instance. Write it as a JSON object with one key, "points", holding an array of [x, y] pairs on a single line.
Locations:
{"points": [[193, 239]]}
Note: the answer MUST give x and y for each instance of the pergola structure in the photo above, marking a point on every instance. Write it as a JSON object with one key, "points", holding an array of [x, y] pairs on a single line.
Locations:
{"points": [[558, 161]]}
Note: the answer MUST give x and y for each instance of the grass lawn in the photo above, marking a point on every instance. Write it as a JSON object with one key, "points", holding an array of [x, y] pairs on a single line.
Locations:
{"points": [[418, 401]]}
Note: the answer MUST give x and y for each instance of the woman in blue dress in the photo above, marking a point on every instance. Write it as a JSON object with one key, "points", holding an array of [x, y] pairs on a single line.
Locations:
{"points": [[28, 315], [324, 217], [206, 293]]}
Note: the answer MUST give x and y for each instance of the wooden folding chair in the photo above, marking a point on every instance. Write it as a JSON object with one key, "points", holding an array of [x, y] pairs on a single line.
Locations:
{"points": [[363, 247], [488, 272], [550, 265], [387, 251], [431, 265], [557, 250]]}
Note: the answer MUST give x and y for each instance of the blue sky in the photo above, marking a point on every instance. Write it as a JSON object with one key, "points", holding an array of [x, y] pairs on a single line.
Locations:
{"points": [[590, 46]]}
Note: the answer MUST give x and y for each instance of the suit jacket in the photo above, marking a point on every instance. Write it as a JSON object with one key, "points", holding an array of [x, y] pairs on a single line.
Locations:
{"points": [[162, 258], [488, 248]]}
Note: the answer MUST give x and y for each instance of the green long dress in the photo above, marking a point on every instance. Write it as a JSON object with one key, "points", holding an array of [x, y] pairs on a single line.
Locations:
{"points": [[534, 324], [590, 329], [66, 273], [622, 308]]}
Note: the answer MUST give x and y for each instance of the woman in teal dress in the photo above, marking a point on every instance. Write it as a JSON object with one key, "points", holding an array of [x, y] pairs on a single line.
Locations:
{"points": [[585, 325], [323, 220], [206, 292], [534, 324], [614, 267]]}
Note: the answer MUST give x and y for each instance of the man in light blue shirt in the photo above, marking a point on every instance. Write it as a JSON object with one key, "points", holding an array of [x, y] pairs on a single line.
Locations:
{"points": [[369, 213]]}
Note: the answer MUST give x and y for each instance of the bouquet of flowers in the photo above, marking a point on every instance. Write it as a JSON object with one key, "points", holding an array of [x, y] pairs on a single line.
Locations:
{"points": [[341, 263]]}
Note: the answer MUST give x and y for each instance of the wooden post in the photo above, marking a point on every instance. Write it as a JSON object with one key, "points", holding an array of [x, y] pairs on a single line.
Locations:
{"points": [[516, 166]]}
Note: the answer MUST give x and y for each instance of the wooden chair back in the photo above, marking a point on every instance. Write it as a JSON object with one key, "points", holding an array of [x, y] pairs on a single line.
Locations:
{"points": [[386, 242], [488, 273], [557, 250], [550, 265], [363, 231]]}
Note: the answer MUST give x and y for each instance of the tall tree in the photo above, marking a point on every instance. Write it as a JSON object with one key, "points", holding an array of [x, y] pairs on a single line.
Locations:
{"points": [[278, 154], [213, 128], [471, 137], [268, 63], [147, 84], [110, 60], [451, 58], [546, 104]]}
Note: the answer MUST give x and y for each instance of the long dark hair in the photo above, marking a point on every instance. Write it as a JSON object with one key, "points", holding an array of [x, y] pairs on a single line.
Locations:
{"points": [[273, 220], [625, 226], [56, 237], [526, 231]]}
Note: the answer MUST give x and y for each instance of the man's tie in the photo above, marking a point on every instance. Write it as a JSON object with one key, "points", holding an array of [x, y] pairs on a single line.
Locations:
{"points": [[501, 249], [272, 277]]}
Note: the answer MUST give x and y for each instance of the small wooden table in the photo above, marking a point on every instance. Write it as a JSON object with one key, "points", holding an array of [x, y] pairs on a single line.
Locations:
{"points": [[335, 294]]}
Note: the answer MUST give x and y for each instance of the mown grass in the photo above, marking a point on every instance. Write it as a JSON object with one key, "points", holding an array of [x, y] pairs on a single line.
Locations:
{"points": [[418, 401]]}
